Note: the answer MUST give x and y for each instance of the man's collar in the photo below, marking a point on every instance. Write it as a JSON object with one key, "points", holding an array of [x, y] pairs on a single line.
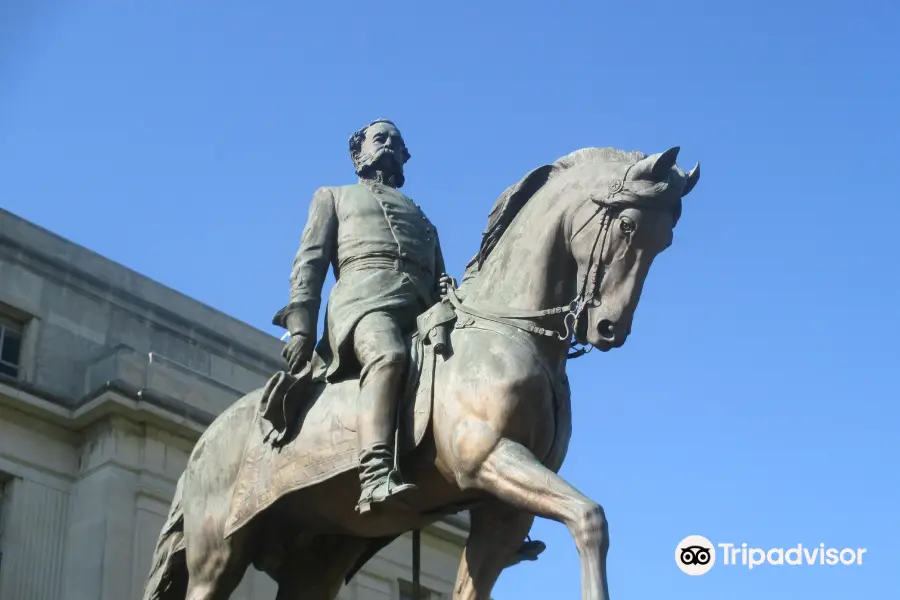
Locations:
{"points": [[372, 183]]}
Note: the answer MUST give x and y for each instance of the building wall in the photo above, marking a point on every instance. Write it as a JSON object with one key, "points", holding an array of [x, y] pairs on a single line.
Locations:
{"points": [[117, 377]]}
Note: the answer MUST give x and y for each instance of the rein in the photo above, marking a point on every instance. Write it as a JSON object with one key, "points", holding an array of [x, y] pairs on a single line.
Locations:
{"points": [[573, 311]]}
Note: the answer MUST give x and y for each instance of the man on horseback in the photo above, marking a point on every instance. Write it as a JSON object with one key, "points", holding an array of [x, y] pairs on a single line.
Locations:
{"points": [[387, 261]]}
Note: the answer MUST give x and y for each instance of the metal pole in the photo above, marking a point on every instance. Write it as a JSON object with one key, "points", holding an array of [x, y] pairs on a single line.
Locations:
{"points": [[417, 564]]}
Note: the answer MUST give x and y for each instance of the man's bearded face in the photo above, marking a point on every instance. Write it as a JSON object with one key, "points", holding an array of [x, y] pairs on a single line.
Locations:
{"points": [[382, 150]]}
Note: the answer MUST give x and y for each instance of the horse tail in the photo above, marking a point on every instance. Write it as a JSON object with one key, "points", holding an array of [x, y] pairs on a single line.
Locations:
{"points": [[168, 578]]}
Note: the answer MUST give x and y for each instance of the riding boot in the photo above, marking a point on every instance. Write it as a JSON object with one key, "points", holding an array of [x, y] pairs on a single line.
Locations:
{"points": [[379, 481]]}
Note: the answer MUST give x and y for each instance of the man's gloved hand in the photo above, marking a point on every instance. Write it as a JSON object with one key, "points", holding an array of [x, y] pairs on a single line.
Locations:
{"points": [[444, 283], [297, 352]]}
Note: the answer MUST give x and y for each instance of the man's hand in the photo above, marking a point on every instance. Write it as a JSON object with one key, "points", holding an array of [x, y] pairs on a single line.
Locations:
{"points": [[444, 283], [297, 352]]}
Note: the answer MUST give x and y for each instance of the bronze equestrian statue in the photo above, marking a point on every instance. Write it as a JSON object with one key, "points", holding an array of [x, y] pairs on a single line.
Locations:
{"points": [[480, 411]]}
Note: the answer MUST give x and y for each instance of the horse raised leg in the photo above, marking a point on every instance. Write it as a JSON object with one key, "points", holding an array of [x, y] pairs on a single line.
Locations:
{"points": [[513, 475], [496, 532]]}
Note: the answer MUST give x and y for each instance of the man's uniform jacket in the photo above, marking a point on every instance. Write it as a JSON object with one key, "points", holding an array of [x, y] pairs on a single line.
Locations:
{"points": [[386, 257]]}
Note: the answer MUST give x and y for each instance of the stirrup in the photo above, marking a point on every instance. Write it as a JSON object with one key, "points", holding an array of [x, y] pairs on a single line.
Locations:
{"points": [[385, 491]]}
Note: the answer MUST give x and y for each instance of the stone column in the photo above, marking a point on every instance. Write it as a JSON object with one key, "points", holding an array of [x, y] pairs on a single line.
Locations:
{"points": [[100, 536], [35, 521]]}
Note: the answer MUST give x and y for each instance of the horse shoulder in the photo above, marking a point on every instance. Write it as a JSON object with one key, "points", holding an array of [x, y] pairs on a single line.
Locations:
{"points": [[500, 383]]}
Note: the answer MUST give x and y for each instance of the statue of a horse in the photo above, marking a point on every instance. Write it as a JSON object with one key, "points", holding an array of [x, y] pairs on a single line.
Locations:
{"points": [[487, 423]]}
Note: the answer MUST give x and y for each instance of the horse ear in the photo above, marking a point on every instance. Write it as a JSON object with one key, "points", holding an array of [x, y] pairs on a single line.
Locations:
{"points": [[655, 167], [661, 166], [693, 177]]}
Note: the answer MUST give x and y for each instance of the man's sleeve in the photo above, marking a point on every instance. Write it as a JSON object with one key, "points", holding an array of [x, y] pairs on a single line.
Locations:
{"points": [[317, 249]]}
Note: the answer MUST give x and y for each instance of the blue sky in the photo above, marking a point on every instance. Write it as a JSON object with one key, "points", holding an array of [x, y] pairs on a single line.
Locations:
{"points": [[757, 399]]}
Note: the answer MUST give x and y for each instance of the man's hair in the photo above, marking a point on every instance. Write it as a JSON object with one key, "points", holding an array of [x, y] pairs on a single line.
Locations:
{"points": [[358, 136]]}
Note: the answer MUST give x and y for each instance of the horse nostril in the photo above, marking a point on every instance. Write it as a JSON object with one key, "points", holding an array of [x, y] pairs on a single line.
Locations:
{"points": [[606, 329]]}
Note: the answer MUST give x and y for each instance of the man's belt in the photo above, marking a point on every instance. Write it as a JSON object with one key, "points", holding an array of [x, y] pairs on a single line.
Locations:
{"points": [[403, 265]]}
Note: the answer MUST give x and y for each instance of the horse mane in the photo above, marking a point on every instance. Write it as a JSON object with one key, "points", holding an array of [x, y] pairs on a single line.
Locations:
{"points": [[514, 198]]}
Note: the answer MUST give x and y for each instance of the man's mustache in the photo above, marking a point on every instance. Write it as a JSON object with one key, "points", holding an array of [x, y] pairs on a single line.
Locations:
{"points": [[368, 158]]}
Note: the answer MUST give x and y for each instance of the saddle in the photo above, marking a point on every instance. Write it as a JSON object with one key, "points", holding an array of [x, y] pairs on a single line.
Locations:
{"points": [[285, 395], [317, 438]]}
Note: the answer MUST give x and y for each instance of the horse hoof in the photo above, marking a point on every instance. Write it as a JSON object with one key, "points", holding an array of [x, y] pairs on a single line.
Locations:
{"points": [[528, 552]]}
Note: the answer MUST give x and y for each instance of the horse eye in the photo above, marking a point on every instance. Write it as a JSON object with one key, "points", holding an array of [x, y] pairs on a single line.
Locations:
{"points": [[627, 226]]}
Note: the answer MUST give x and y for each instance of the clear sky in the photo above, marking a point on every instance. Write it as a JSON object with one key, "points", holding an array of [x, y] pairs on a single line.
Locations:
{"points": [[757, 399]]}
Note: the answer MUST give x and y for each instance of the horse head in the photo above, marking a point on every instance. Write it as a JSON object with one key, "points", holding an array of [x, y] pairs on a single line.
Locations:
{"points": [[624, 218], [589, 226]]}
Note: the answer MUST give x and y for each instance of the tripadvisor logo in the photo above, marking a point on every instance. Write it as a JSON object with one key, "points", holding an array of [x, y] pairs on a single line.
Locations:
{"points": [[696, 555]]}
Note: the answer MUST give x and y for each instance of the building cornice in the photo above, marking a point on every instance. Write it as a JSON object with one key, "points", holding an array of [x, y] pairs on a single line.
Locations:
{"points": [[113, 397]]}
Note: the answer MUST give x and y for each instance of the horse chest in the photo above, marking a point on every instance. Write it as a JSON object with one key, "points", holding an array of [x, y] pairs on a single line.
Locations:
{"points": [[500, 382]]}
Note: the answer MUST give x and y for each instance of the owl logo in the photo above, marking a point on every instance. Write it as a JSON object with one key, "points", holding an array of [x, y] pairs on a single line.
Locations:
{"points": [[695, 555]]}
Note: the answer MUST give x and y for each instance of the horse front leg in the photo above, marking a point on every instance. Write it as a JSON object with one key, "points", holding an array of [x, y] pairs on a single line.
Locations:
{"points": [[508, 471], [496, 531]]}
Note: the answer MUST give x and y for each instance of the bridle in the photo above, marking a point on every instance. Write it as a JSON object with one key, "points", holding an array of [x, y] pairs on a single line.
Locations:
{"points": [[572, 312]]}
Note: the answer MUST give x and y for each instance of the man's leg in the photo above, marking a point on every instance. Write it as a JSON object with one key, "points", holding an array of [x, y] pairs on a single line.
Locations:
{"points": [[381, 351]]}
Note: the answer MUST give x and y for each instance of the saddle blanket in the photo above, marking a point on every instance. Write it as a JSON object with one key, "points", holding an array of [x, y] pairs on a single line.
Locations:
{"points": [[325, 444]]}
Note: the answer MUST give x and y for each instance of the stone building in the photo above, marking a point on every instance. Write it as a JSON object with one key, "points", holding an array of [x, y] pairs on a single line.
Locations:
{"points": [[107, 379]]}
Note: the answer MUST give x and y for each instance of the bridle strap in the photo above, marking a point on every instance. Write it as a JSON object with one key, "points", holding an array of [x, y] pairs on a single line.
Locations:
{"points": [[572, 311], [504, 318]]}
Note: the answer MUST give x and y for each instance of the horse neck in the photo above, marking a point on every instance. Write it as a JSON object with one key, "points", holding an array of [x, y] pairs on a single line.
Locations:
{"points": [[529, 269]]}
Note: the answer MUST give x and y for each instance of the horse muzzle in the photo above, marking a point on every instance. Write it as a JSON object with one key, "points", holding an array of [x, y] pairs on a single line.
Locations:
{"points": [[604, 333]]}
